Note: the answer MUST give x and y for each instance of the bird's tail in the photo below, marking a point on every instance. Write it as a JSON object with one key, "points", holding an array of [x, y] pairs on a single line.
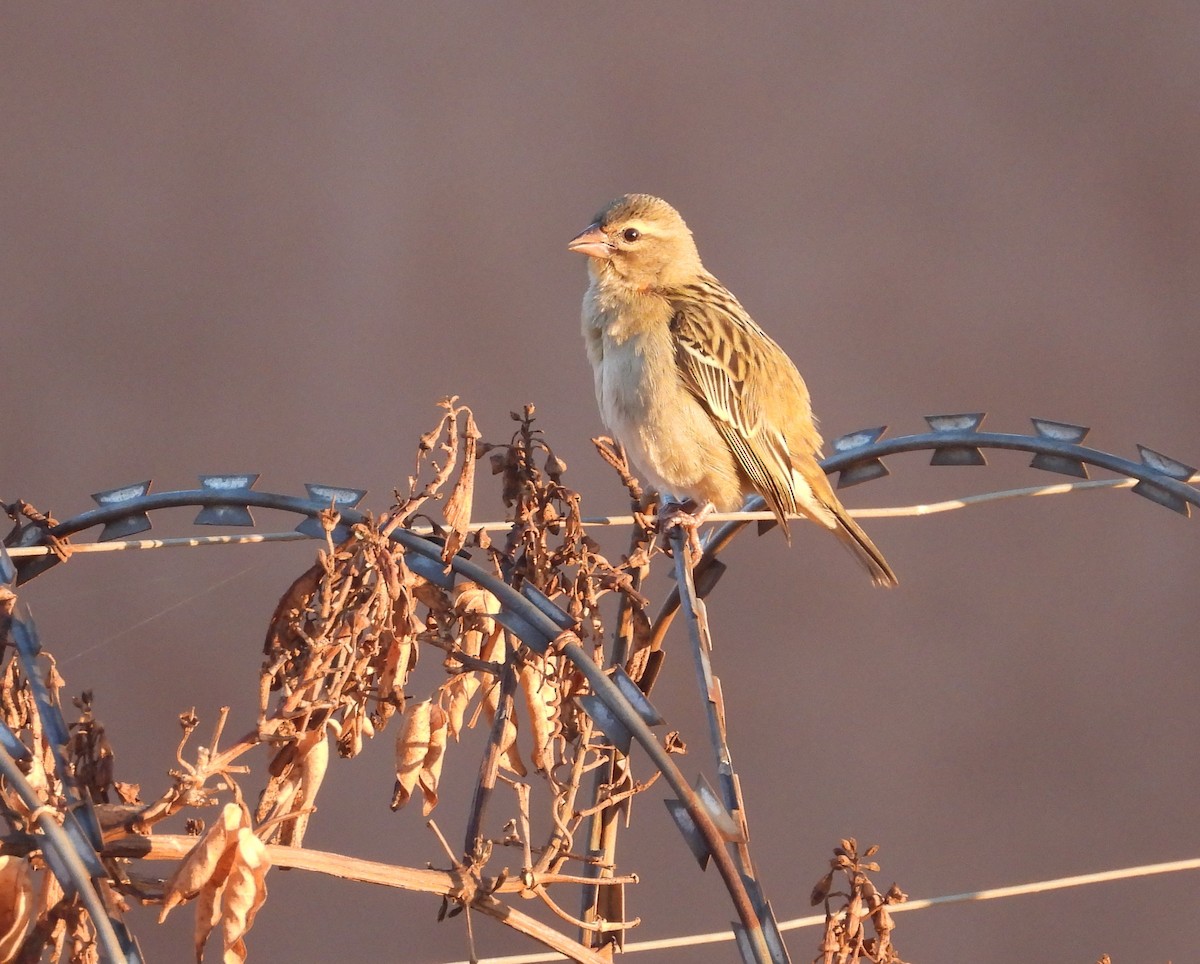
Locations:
{"points": [[816, 499], [853, 538]]}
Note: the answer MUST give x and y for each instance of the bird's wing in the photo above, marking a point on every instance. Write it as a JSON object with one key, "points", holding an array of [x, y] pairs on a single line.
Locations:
{"points": [[720, 355]]}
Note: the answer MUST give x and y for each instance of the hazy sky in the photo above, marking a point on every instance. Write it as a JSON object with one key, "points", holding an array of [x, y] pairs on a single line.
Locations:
{"points": [[270, 237]]}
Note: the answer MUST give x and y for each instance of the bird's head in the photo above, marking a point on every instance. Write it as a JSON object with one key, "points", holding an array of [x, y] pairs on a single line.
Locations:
{"points": [[640, 241]]}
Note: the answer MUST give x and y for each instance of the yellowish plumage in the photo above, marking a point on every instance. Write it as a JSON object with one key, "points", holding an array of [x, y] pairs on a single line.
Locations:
{"points": [[709, 407]]}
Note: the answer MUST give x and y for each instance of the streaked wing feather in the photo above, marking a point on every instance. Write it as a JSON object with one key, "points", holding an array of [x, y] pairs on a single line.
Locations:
{"points": [[708, 333]]}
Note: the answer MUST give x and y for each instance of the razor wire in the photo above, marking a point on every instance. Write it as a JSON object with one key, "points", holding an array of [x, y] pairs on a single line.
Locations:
{"points": [[712, 825]]}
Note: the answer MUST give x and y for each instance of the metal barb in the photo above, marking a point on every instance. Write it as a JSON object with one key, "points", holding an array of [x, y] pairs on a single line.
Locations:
{"points": [[339, 496], [228, 513], [1156, 493], [1059, 432], [326, 496], [691, 835], [867, 471], [615, 732], [864, 471], [1061, 464], [965, 422], [127, 525], [546, 605], [1165, 464], [730, 829], [856, 440], [742, 937], [771, 932], [956, 454], [637, 699], [1172, 469], [708, 575]]}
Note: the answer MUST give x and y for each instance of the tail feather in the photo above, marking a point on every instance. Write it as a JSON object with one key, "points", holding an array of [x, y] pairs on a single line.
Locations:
{"points": [[816, 499], [858, 542]]}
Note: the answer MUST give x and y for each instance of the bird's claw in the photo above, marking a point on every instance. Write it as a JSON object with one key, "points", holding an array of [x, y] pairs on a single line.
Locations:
{"points": [[687, 516]]}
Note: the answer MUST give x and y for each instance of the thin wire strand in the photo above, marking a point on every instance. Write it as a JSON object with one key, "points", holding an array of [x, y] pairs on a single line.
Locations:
{"points": [[815, 920], [919, 509], [179, 603], [884, 512]]}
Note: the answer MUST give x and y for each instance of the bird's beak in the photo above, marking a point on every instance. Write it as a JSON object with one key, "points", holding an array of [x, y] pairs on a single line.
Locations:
{"points": [[592, 242]]}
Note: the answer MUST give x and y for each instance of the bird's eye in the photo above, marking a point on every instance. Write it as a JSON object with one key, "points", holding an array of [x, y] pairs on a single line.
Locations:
{"points": [[631, 234]]}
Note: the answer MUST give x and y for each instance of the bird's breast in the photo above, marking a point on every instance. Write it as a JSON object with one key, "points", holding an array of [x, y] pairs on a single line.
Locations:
{"points": [[645, 403]]}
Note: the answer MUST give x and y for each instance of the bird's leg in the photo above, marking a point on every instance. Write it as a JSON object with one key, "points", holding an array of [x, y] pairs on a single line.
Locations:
{"points": [[688, 515]]}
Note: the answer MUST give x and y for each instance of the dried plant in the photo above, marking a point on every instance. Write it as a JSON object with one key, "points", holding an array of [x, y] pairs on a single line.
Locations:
{"points": [[340, 656], [370, 635], [226, 875], [845, 940], [37, 920]]}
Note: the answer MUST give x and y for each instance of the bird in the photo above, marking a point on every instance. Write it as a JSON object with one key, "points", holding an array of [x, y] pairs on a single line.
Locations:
{"points": [[708, 406]]}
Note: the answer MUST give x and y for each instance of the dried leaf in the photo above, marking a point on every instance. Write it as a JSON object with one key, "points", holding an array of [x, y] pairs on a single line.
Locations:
{"points": [[460, 691], [431, 769], [821, 890], [244, 893], [457, 511], [16, 904], [349, 732], [208, 907], [510, 755], [294, 601], [429, 439], [476, 607], [312, 769], [470, 597], [412, 746], [494, 648], [420, 748], [884, 924], [854, 916], [400, 661], [453, 544], [212, 895], [555, 467], [203, 862], [541, 702], [47, 892]]}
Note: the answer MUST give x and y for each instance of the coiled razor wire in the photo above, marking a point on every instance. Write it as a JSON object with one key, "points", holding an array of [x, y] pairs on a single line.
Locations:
{"points": [[712, 825]]}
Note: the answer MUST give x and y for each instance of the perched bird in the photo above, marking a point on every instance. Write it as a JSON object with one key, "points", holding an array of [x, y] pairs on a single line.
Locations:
{"points": [[708, 406]]}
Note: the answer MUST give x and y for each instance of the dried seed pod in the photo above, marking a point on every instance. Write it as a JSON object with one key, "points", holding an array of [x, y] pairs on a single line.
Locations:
{"points": [[412, 746], [16, 904]]}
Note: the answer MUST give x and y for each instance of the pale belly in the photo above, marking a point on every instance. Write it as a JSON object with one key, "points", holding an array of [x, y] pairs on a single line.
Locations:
{"points": [[667, 433]]}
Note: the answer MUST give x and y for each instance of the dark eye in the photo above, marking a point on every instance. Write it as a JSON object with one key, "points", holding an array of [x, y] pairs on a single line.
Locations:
{"points": [[631, 234]]}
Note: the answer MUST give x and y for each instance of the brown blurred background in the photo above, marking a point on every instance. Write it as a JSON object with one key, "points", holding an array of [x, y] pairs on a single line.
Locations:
{"points": [[270, 237]]}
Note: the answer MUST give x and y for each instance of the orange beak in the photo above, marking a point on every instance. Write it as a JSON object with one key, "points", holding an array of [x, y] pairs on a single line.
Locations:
{"points": [[592, 242]]}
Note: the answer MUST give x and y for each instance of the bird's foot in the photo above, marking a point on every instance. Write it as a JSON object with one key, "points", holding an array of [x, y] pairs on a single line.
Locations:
{"points": [[688, 516]]}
